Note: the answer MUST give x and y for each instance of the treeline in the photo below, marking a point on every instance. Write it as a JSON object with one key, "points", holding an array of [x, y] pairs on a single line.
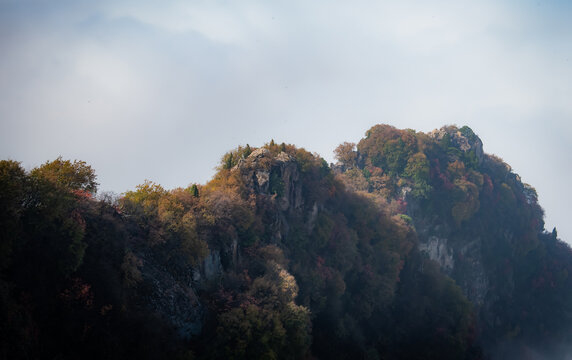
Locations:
{"points": [[67, 271]]}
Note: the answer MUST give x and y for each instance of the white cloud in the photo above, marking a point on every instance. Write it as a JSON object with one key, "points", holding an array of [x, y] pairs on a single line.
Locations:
{"points": [[221, 22], [106, 72]]}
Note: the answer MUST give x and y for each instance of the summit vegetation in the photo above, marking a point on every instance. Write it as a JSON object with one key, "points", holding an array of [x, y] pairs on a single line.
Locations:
{"points": [[412, 246]]}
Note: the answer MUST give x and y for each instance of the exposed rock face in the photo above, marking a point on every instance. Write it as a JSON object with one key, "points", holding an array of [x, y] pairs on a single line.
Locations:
{"points": [[262, 180], [176, 300], [173, 300], [257, 163], [460, 258], [471, 276], [438, 250], [273, 175], [464, 142], [278, 178], [212, 267], [312, 218], [287, 171]]}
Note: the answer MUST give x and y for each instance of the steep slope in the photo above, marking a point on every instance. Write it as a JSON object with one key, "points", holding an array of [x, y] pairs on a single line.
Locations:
{"points": [[273, 258], [477, 219], [413, 246], [353, 266]]}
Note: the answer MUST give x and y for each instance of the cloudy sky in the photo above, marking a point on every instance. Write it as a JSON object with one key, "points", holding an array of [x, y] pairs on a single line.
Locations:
{"points": [[160, 90]]}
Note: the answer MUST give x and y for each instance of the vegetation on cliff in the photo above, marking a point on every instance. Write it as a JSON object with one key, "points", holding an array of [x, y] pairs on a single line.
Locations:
{"points": [[489, 222], [281, 256]]}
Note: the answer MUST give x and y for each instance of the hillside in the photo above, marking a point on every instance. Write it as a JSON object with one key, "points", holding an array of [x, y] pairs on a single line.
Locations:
{"points": [[480, 222], [412, 246]]}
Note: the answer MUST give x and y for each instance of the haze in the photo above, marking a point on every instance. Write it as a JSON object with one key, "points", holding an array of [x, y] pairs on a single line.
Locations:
{"points": [[148, 90]]}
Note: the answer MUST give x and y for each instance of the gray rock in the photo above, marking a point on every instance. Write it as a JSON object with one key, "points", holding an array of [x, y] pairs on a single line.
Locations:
{"points": [[262, 180], [172, 299], [437, 250], [460, 141], [261, 166], [212, 267]]}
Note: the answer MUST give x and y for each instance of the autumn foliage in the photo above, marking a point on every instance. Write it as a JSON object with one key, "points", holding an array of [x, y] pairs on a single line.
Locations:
{"points": [[282, 256]]}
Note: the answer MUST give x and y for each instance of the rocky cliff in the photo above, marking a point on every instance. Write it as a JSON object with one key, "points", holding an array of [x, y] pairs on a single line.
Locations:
{"points": [[471, 213], [414, 245]]}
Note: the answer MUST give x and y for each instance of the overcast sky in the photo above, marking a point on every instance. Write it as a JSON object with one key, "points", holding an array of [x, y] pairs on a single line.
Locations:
{"points": [[160, 90]]}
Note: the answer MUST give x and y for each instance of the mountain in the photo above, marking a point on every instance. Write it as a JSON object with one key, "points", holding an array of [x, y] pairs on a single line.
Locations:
{"points": [[412, 246], [484, 227]]}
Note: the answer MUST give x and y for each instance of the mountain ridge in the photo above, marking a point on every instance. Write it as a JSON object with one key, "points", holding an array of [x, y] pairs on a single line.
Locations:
{"points": [[412, 245]]}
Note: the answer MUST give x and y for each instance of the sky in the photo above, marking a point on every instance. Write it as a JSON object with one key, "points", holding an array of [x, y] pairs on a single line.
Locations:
{"points": [[161, 90]]}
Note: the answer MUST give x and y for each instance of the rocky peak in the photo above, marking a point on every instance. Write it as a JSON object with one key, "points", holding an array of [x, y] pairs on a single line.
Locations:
{"points": [[273, 175], [258, 154], [463, 139]]}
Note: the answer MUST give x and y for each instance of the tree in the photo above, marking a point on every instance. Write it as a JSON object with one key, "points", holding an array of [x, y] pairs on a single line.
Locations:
{"points": [[144, 201], [65, 174], [418, 170], [227, 161], [13, 187], [194, 190], [345, 153], [247, 151]]}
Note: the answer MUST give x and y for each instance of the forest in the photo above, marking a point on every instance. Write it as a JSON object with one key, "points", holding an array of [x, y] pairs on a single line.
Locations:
{"points": [[412, 246]]}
